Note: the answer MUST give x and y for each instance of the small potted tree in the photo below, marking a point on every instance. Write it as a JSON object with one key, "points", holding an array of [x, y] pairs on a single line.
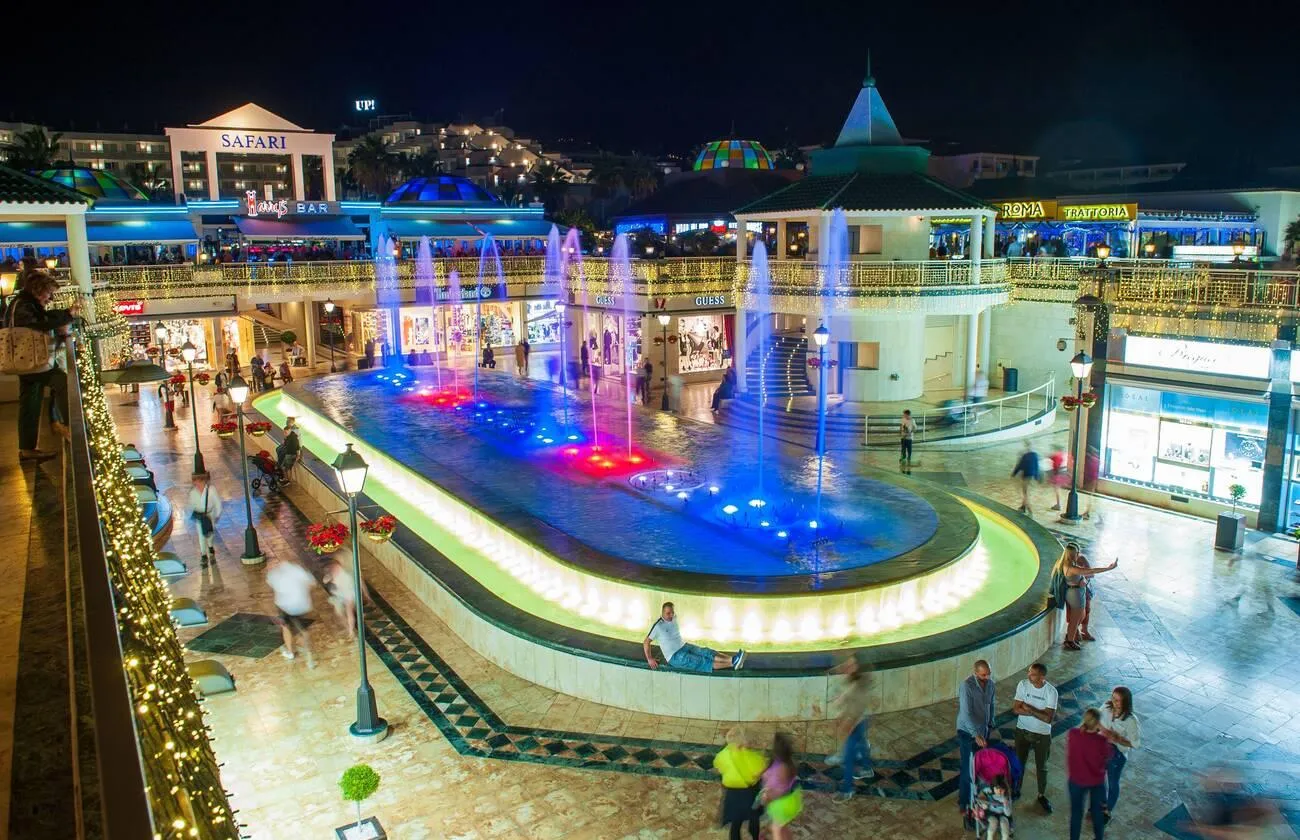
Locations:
{"points": [[1230, 532], [358, 783]]}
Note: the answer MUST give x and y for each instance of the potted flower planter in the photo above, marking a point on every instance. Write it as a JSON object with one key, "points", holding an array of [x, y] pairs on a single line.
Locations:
{"points": [[380, 529]]}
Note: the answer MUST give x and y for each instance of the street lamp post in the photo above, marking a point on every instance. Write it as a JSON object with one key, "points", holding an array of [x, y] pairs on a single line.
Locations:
{"points": [[664, 318], [188, 352], [821, 335], [351, 470], [1081, 367], [329, 324], [252, 551], [1103, 254]]}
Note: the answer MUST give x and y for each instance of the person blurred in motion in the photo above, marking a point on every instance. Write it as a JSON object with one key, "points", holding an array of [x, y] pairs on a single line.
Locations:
{"points": [[741, 766], [27, 309], [1234, 813]]}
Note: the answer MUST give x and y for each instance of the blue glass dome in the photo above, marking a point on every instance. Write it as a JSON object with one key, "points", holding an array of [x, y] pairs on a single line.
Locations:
{"points": [[441, 189], [95, 183]]}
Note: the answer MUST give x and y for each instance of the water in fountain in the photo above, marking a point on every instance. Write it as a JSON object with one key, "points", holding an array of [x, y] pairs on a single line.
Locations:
{"points": [[573, 247], [554, 274], [833, 266], [388, 295], [620, 275], [453, 323], [424, 284], [760, 291], [488, 260]]}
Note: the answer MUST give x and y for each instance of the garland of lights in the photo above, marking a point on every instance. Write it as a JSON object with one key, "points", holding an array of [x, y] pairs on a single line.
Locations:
{"points": [[183, 784]]}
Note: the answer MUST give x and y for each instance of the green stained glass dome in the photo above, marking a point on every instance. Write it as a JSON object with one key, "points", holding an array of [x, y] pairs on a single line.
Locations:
{"points": [[95, 183], [733, 154]]}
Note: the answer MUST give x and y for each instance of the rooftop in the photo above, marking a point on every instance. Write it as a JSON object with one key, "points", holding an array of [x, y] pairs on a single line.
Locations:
{"points": [[860, 191], [19, 188], [711, 192]]}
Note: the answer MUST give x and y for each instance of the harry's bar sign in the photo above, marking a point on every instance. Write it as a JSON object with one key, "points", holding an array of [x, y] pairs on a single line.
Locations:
{"points": [[255, 207]]}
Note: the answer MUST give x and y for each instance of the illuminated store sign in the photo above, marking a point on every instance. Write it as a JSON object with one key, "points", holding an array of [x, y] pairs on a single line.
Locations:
{"points": [[265, 142], [256, 207], [1017, 210], [364, 105], [129, 308], [1200, 356], [1097, 212], [466, 293], [711, 300]]}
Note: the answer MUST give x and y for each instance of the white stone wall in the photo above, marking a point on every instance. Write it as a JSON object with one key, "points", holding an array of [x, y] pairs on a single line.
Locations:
{"points": [[1024, 336]]}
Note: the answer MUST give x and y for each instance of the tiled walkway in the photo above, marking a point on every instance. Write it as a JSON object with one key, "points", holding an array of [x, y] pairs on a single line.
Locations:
{"points": [[1202, 638]]}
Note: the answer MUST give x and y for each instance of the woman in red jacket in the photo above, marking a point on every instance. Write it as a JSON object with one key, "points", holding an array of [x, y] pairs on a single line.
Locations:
{"points": [[1086, 754]]}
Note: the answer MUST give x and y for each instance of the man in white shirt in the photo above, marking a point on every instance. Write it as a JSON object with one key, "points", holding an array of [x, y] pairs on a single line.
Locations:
{"points": [[1035, 704], [292, 585], [683, 656]]}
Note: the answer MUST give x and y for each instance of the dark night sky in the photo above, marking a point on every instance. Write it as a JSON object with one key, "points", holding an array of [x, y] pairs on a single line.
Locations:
{"points": [[1145, 82]]}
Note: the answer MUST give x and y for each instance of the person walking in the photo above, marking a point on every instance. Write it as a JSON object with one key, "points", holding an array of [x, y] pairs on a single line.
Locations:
{"points": [[520, 367], [340, 587], [741, 767], [205, 509], [906, 429], [1035, 705], [528, 352], [27, 309], [855, 754], [974, 724], [648, 370], [782, 797], [1086, 754], [1059, 475], [1122, 729], [682, 656], [583, 357], [1027, 469], [291, 586], [979, 391]]}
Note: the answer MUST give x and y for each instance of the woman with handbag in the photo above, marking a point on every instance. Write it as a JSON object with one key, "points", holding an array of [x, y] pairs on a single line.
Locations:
{"points": [[28, 325], [205, 510]]}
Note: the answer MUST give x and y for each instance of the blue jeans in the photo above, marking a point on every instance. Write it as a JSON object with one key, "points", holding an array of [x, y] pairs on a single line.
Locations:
{"points": [[857, 753], [1095, 794], [1114, 769], [966, 745], [692, 658]]}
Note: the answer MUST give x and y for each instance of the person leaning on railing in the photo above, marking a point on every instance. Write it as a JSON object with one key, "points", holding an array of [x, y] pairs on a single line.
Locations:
{"points": [[27, 309]]}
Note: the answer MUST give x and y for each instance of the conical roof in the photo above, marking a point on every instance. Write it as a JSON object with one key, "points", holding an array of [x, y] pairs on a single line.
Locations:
{"points": [[869, 122]]}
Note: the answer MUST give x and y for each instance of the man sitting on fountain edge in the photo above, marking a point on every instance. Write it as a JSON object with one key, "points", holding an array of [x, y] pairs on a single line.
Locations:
{"points": [[682, 656]]}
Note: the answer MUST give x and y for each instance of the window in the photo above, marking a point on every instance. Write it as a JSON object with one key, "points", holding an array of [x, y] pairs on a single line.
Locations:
{"points": [[861, 355], [871, 240]]}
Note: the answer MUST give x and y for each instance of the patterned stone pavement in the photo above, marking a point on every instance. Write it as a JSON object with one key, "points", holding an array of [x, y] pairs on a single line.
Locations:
{"points": [[476, 752]]}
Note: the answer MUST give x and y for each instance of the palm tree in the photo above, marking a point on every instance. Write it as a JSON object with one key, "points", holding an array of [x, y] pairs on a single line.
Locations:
{"points": [[606, 174], [510, 192], [549, 185], [33, 149], [642, 176], [372, 166], [146, 179], [425, 163], [1292, 235], [791, 157]]}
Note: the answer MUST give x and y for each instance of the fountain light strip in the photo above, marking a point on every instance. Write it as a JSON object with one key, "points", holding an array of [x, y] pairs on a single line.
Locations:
{"points": [[576, 598]]}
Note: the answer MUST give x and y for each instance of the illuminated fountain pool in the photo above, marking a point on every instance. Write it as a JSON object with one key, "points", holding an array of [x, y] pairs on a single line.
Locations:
{"points": [[497, 496]]}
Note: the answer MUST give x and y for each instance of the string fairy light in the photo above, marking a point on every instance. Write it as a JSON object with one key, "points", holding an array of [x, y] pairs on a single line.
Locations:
{"points": [[183, 783]]}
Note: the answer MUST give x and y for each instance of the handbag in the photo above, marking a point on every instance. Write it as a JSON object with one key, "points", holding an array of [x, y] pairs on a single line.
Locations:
{"points": [[24, 350], [205, 521]]}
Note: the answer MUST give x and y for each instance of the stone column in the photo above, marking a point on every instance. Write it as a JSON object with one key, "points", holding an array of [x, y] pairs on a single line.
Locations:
{"points": [[214, 182], [782, 243], [1272, 507], [327, 172], [823, 235], [79, 261], [740, 351], [309, 325], [990, 233], [976, 250], [299, 190], [972, 347], [986, 326], [178, 172]]}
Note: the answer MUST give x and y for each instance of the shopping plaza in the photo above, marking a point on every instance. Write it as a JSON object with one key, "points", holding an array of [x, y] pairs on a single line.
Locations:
{"points": [[520, 521]]}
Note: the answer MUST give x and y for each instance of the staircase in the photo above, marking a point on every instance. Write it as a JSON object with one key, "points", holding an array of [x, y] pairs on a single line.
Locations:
{"points": [[781, 367]]}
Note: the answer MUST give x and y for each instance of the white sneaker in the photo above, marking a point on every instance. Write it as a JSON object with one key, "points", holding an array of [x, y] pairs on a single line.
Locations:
{"points": [[834, 760], [286, 653]]}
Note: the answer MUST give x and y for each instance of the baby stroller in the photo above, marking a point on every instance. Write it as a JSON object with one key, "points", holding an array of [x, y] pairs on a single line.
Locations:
{"points": [[268, 471], [996, 761]]}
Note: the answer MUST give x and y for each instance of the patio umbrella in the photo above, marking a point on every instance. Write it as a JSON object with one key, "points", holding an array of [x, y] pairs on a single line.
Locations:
{"points": [[134, 374]]}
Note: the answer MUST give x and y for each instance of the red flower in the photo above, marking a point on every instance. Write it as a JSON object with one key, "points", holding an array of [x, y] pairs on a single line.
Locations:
{"points": [[326, 535], [381, 525], [225, 426], [258, 426], [202, 378]]}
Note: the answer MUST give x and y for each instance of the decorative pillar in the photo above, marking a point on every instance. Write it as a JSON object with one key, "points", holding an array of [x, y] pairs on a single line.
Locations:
{"points": [[299, 190], [309, 325], [823, 235], [990, 234], [79, 261], [178, 172], [976, 252], [742, 240], [782, 241], [1272, 507], [740, 351], [214, 183], [327, 174], [986, 325], [972, 335]]}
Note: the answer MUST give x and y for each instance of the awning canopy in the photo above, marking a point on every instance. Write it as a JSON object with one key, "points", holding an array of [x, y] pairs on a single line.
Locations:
{"points": [[509, 229], [132, 232], [325, 227], [415, 228]]}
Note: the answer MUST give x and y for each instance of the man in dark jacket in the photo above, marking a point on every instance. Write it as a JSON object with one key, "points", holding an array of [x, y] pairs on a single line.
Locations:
{"points": [[28, 310], [287, 452]]}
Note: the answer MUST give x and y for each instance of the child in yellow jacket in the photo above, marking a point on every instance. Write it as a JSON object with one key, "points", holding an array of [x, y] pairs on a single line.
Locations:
{"points": [[741, 767]]}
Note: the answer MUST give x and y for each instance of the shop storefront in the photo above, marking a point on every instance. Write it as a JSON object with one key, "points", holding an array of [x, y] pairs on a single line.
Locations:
{"points": [[208, 323], [543, 323], [613, 341], [703, 344]]}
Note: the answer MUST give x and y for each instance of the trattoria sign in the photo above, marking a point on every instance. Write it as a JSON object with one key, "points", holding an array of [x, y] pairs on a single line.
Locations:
{"points": [[1047, 210]]}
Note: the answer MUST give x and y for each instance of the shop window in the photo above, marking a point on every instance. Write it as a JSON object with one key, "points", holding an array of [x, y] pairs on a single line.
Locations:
{"points": [[871, 239], [861, 355], [702, 343]]}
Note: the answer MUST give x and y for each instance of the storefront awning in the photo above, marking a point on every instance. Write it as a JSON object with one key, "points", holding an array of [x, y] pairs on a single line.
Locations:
{"points": [[329, 227], [516, 230], [131, 232], [415, 228]]}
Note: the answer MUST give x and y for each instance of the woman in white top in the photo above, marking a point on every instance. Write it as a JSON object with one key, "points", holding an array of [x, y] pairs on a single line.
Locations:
{"points": [[1122, 729], [205, 509]]}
